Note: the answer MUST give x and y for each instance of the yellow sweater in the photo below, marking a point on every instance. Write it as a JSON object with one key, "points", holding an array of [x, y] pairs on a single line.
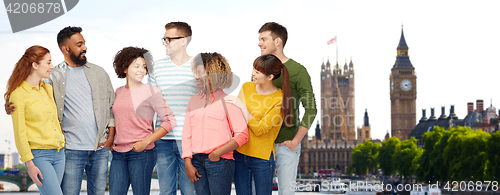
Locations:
{"points": [[265, 124], [35, 120]]}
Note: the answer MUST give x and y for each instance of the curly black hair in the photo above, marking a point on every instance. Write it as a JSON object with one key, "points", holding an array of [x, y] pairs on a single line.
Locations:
{"points": [[127, 55]]}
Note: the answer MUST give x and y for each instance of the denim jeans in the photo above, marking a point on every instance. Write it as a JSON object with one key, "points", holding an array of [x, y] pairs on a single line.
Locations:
{"points": [[246, 168], [216, 177], [170, 166], [51, 163], [95, 164], [286, 163], [131, 168]]}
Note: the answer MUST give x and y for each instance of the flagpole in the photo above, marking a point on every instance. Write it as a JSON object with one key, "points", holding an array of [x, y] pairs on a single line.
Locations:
{"points": [[337, 45]]}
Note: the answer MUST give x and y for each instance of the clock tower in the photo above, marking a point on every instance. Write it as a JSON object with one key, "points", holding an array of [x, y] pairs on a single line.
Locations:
{"points": [[403, 93]]}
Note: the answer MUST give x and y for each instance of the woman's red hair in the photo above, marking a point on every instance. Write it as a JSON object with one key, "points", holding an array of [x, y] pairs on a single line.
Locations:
{"points": [[23, 67]]}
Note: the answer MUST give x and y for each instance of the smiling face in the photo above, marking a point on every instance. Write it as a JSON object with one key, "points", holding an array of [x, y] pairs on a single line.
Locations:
{"points": [[136, 71], [77, 49], [267, 44], [260, 78], [44, 67], [201, 78]]}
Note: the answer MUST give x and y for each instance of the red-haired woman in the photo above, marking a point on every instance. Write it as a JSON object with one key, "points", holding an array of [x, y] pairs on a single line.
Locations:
{"points": [[39, 138]]}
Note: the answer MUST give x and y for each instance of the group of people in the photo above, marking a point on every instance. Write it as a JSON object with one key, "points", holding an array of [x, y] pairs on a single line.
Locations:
{"points": [[182, 121]]}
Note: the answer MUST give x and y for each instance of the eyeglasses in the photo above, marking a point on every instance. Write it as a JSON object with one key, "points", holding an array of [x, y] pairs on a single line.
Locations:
{"points": [[167, 40]]}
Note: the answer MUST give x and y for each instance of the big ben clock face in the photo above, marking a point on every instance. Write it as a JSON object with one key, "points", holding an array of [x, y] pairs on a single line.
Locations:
{"points": [[406, 85]]}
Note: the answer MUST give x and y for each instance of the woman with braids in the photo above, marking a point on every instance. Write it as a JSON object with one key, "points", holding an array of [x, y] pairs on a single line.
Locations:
{"points": [[135, 105], [266, 112], [212, 128], [38, 134]]}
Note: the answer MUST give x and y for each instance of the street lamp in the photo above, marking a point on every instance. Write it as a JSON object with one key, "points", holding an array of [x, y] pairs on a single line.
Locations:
{"points": [[451, 185]]}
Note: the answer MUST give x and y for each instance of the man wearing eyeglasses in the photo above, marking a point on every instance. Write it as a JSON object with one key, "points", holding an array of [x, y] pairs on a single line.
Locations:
{"points": [[174, 77]]}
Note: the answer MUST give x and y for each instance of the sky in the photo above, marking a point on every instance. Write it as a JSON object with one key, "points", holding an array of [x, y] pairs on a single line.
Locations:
{"points": [[453, 45]]}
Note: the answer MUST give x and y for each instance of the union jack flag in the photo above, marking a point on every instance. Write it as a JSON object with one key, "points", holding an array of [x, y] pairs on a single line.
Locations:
{"points": [[332, 41]]}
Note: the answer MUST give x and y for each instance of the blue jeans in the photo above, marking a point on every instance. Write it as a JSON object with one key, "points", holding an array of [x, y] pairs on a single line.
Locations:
{"points": [[131, 168], [51, 163], [246, 168], [169, 164], [216, 177], [95, 164], [286, 163]]}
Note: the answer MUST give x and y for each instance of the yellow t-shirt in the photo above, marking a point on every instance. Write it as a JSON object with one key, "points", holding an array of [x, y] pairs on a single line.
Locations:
{"points": [[265, 124], [35, 119]]}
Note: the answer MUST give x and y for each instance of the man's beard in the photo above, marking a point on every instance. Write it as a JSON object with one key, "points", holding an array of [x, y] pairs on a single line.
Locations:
{"points": [[77, 59]]}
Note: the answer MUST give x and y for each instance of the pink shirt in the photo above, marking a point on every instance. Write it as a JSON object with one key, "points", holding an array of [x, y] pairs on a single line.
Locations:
{"points": [[207, 128], [134, 110]]}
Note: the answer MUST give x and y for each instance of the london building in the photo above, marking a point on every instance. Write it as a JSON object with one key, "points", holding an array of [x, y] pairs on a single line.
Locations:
{"points": [[403, 93]]}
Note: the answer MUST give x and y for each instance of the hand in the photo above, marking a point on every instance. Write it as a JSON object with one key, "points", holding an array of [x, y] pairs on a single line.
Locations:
{"points": [[213, 156], [108, 143], [112, 147], [248, 116], [191, 171], [140, 146], [290, 144], [238, 103], [8, 108], [231, 99], [34, 172]]}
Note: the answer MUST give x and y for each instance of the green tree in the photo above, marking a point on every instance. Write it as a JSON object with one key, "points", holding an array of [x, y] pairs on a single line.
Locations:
{"points": [[439, 172], [493, 148], [403, 158], [415, 165], [374, 149], [364, 157], [21, 167], [425, 171], [466, 155], [386, 153]]}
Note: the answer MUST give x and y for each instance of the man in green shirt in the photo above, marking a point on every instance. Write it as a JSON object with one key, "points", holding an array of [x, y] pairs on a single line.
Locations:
{"points": [[272, 40]]}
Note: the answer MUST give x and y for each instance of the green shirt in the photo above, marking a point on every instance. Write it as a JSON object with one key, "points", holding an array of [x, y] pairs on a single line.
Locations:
{"points": [[301, 91]]}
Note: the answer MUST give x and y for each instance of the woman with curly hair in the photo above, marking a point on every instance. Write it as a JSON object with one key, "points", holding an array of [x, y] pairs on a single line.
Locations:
{"points": [[38, 134], [210, 135], [135, 105]]}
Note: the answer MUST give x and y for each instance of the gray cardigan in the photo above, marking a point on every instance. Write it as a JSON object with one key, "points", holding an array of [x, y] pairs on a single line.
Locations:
{"points": [[103, 96]]}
